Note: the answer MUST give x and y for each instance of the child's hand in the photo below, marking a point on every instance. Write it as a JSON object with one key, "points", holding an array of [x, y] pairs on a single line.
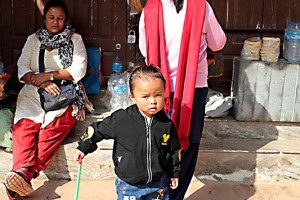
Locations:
{"points": [[173, 183], [79, 155]]}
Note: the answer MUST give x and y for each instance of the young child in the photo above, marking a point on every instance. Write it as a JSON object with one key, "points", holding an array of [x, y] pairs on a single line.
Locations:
{"points": [[146, 146]]}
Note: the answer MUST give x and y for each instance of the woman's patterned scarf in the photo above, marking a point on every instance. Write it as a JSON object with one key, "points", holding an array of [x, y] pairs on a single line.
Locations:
{"points": [[62, 41], [65, 46]]}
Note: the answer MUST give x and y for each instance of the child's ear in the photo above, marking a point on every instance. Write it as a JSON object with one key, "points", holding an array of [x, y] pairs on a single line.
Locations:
{"points": [[132, 98]]}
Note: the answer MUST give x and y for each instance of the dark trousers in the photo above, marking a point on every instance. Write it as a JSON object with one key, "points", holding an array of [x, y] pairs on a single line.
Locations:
{"points": [[189, 157]]}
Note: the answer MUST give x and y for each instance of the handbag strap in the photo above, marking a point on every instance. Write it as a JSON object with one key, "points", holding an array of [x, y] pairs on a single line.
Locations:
{"points": [[41, 59]]}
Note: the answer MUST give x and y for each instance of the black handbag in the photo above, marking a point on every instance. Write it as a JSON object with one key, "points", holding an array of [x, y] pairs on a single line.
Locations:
{"points": [[69, 91]]}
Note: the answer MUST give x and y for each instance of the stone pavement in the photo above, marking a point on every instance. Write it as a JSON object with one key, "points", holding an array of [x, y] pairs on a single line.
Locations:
{"points": [[105, 190]]}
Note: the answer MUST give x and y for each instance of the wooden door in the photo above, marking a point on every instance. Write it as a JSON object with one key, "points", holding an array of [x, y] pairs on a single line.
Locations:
{"points": [[18, 20], [238, 19], [242, 19], [101, 24], [277, 13]]}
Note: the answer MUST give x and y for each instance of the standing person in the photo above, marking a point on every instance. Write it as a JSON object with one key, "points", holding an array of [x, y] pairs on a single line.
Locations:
{"points": [[40, 5], [37, 134], [146, 147], [174, 35]]}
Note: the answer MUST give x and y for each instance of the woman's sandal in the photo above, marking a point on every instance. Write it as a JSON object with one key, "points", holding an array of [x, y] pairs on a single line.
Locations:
{"points": [[17, 183]]}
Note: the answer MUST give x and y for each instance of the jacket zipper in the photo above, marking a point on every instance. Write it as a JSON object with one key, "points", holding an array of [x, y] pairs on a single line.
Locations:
{"points": [[149, 168]]}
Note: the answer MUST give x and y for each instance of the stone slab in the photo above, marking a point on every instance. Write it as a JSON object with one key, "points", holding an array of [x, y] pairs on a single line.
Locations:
{"points": [[250, 146], [264, 91], [229, 128], [248, 167], [96, 166]]}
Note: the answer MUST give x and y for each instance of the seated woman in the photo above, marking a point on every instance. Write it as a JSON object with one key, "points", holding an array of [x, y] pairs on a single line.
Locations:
{"points": [[37, 134]]}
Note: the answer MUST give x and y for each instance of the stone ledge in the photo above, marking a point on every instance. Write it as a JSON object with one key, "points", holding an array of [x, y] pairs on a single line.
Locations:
{"points": [[230, 151], [250, 146], [229, 128], [248, 167], [97, 166], [219, 160]]}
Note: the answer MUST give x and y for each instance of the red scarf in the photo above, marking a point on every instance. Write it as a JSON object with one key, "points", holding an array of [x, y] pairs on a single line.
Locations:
{"points": [[188, 59]]}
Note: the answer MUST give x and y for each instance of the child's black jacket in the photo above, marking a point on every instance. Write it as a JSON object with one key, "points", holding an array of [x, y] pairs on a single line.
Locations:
{"points": [[141, 153]]}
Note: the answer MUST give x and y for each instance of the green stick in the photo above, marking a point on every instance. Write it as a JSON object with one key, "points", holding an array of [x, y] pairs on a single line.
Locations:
{"points": [[78, 179]]}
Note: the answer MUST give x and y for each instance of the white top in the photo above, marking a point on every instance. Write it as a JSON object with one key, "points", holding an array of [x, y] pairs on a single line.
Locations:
{"points": [[212, 37], [28, 103]]}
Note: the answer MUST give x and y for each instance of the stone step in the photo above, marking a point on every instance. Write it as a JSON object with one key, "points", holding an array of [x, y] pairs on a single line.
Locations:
{"points": [[242, 160], [225, 128], [249, 151], [230, 151], [250, 146], [96, 166], [248, 160]]}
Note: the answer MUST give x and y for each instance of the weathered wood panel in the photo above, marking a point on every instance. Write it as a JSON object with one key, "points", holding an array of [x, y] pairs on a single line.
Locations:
{"points": [[101, 24], [262, 85], [289, 91], [245, 19], [277, 13], [296, 114], [106, 23]]}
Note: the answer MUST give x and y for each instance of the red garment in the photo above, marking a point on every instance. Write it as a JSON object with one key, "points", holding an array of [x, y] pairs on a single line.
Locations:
{"points": [[156, 43], [34, 147], [188, 59]]}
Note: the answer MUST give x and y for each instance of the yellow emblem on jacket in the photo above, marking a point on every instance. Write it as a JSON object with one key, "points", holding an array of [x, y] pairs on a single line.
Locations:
{"points": [[88, 134], [165, 139]]}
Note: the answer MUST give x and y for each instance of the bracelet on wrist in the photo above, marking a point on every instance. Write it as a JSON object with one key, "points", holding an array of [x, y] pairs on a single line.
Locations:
{"points": [[51, 76]]}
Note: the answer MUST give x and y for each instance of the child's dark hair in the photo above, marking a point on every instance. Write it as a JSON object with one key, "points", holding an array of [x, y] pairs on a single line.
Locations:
{"points": [[178, 5], [143, 71], [55, 4]]}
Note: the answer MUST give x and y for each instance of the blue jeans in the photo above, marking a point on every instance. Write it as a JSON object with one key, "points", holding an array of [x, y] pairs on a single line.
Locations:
{"points": [[150, 191]]}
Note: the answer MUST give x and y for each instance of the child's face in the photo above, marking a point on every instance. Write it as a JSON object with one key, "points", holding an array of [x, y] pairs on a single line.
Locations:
{"points": [[148, 94]]}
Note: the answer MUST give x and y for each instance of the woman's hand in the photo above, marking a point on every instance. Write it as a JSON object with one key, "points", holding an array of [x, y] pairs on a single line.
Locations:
{"points": [[28, 78], [173, 183], [39, 79], [79, 155], [50, 87]]}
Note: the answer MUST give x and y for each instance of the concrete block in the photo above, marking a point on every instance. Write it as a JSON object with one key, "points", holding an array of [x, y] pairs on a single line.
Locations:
{"points": [[264, 91]]}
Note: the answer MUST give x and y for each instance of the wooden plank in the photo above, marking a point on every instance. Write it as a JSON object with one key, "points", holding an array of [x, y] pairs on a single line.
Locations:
{"points": [[249, 87], [276, 92], [276, 13], [265, 91], [238, 90], [296, 116], [262, 93], [82, 17], [6, 32], [20, 18], [107, 14], [289, 92]]}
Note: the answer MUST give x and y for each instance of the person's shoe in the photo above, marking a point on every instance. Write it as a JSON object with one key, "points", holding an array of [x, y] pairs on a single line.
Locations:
{"points": [[4, 193], [17, 183]]}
